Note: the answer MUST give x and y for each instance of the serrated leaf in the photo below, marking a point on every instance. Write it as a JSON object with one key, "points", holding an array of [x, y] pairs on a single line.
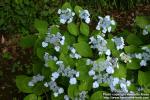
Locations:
{"points": [[77, 9], [72, 91], [27, 41], [120, 72], [73, 29], [97, 96], [22, 83], [41, 26], [143, 78], [83, 49], [132, 39], [66, 5], [84, 28], [135, 64]]}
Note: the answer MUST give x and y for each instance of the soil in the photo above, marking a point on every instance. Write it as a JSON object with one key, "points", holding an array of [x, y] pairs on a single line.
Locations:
{"points": [[20, 57]]}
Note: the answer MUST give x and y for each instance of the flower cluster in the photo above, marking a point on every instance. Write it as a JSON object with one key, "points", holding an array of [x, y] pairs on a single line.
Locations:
{"points": [[66, 16], [48, 57], [53, 86], [100, 44], [144, 56], [82, 96], [119, 41], [55, 39], [36, 79], [123, 83], [84, 14], [102, 69], [73, 53], [67, 72], [105, 24]]}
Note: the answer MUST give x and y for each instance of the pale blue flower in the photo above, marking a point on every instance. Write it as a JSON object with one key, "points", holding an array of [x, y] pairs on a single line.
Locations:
{"points": [[84, 14]]}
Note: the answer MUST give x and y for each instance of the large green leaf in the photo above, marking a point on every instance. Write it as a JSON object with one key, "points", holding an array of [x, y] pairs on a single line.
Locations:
{"points": [[132, 39], [22, 83], [54, 29], [83, 49], [73, 29], [41, 26], [77, 9], [84, 28], [143, 78], [52, 65], [97, 96], [32, 97], [120, 72], [66, 5], [135, 64], [86, 85], [142, 21], [131, 49], [72, 91]]}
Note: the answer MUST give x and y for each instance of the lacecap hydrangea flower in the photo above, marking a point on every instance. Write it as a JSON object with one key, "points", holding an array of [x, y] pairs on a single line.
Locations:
{"points": [[66, 15], [105, 24], [85, 15]]}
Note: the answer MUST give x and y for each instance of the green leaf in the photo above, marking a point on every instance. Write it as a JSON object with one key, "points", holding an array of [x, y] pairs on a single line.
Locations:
{"points": [[85, 85], [39, 88], [27, 41], [41, 26], [82, 38], [52, 65], [72, 91], [120, 72], [37, 66], [77, 9], [40, 52], [54, 29], [83, 49], [22, 83], [67, 60], [73, 29], [60, 97], [66, 5], [46, 72], [84, 28], [132, 39], [142, 21], [97, 96], [143, 78], [110, 44], [131, 49], [31, 97], [135, 64]]}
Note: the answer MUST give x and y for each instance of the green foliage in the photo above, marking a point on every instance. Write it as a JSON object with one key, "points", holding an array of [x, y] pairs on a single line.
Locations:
{"points": [[97, 96], [72, 91], [73, 29], [143, 21], [83, 49], [84, 28], [77, 9], [22, 83], [132, 39], [120, 72], [32, 97], [134, 64], [41, 26], [143, 78]]}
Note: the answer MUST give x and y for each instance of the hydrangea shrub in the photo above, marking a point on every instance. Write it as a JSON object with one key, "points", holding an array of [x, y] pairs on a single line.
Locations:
{"points": [[77, 62]]}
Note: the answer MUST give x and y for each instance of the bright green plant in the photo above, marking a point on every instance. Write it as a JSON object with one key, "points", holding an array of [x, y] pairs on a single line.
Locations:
{"points": [[78, 63]]}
